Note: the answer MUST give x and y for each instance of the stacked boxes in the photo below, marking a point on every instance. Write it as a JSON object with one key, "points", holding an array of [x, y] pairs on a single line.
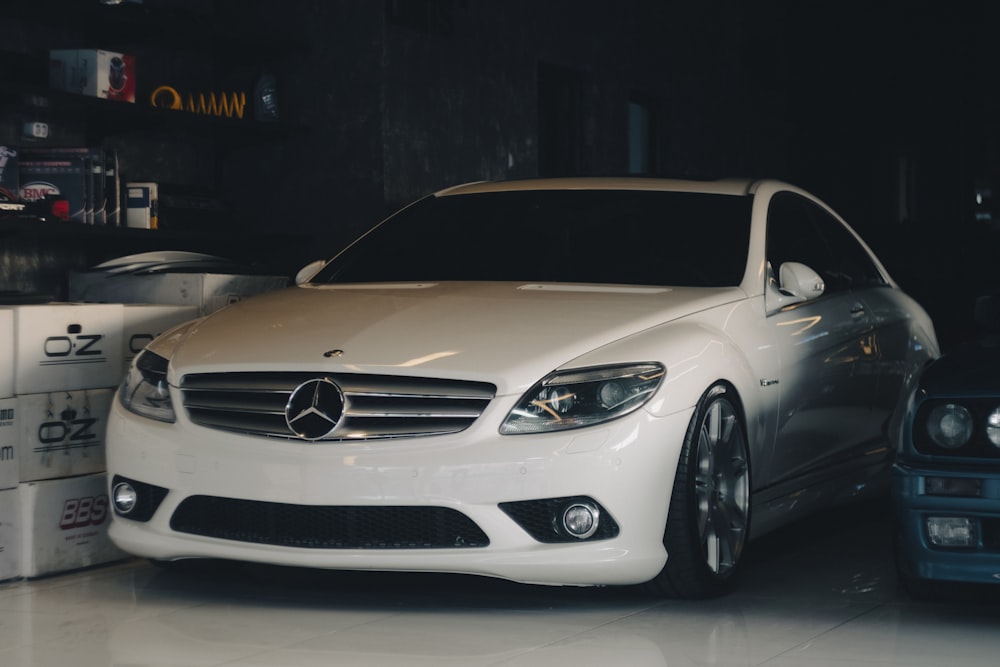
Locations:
{"points": [[60, 364]]}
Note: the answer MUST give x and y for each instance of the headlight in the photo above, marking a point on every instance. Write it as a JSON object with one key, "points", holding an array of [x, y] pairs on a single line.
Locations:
{"points": [[950, 425], [993, 427], [144, 390], [572, 399]]}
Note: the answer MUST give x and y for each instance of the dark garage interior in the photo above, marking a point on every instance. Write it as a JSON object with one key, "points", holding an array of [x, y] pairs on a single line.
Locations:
{"points": [[888, 111]]}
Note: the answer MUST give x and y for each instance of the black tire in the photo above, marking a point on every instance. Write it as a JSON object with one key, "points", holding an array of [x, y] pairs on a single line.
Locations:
{"points": [[708, 522]]}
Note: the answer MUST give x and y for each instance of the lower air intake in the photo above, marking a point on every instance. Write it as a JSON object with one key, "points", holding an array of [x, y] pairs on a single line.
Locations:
{"points": [[327, 526]]}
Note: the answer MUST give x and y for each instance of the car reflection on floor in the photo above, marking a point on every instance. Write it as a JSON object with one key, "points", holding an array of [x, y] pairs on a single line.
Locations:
{"points": [[819, 592]]}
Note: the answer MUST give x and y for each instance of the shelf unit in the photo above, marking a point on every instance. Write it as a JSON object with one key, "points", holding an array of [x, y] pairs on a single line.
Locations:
{"points": [[196, 47]]}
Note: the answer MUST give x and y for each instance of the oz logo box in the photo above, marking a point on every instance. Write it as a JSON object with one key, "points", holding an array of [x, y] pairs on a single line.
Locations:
{"points": [[66, 347], [62, 433]]}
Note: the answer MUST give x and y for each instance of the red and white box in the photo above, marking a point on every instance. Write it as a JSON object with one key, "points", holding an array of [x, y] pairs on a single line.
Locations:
{"points": [[62, 434], [67, 346], [10, 534], [64, 525], [95, 72]]}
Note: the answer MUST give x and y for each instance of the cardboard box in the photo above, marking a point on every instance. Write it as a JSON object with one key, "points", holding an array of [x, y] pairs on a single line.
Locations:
{"points": [[93, 72], [56, 175], [67, 346], [10, 534], [208, 292], [75, 174], [6, 352], [64, 525], [10, 434], [62, 434], [142, 204], [143, 322]]}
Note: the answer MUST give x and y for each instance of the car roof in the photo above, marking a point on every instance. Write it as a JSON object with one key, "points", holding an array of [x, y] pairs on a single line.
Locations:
{"points": [[729, 186]]}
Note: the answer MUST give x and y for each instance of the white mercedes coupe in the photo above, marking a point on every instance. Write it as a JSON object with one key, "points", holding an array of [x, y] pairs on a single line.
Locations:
{"points": [[555, 381]]}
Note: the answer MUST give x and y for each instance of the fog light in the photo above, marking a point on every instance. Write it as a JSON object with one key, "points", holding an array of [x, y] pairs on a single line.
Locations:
{"points": [[580, 520], [124, 497], [952, 531], [964, 487]]}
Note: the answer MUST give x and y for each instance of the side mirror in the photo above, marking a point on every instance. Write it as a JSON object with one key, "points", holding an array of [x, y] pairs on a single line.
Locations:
{"points": [[306, 273], [796, 283]]}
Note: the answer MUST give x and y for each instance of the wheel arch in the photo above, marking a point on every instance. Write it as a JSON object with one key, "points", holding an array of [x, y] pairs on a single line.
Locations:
{"points": [[698, 353], [701, 359]]}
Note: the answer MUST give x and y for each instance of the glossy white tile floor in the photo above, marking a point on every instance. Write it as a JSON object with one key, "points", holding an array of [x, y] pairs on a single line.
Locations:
{"points": [[812, 597]]}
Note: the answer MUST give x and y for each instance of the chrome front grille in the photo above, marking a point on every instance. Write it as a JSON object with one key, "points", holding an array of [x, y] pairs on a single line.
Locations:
{"points": [[375, 406]]}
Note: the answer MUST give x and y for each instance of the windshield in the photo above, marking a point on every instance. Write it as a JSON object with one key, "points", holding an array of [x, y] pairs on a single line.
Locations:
{"points": [[633, 237]]}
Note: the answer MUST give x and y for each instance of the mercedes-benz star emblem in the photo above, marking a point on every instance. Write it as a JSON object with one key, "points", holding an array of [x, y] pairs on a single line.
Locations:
{"points": [[315, 409]]}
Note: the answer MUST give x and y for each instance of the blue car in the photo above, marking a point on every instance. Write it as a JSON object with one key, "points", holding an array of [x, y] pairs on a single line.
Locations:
{"points": [[946, 478]]}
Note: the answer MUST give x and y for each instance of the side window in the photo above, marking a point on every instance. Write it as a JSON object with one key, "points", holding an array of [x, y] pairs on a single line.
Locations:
{"points": [[852, 261], [800, 231]]}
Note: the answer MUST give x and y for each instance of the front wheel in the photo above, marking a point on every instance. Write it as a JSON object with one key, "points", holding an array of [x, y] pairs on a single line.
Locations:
{"points": [[708, 522]]}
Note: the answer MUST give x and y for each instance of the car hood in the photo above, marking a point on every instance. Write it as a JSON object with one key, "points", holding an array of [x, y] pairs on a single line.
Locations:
{"points": [[971, 369], [510, 334]]}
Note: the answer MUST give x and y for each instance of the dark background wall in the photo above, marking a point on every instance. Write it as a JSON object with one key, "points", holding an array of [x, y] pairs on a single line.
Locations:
{"points": [[886, 110]]}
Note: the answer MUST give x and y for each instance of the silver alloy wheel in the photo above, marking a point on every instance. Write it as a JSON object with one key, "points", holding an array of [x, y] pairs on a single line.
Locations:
{"points": [[722, 492]]}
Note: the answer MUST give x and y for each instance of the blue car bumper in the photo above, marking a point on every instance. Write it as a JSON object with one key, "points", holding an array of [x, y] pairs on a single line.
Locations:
{"points": [[947, 529]]}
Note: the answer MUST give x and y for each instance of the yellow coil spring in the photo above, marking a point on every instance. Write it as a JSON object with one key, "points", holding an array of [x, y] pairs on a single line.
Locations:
{"points": [[223, 104]]}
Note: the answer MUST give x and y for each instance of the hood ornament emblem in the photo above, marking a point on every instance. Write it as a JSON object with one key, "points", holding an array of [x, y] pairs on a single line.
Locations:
{"points": [[330, 354], [315, 409]]}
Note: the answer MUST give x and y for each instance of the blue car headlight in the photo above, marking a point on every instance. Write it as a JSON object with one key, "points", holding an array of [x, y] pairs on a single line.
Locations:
{"points": [[144, 390], [950, 425], [993, 427], [967, 427], [583, 397]]}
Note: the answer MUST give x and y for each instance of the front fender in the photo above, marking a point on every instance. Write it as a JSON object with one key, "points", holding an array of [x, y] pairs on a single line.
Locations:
{"points": [[723, 344]]}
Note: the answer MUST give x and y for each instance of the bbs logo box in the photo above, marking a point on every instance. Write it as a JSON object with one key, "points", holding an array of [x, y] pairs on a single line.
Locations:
{"points": [[64, 525], [67, 346]]}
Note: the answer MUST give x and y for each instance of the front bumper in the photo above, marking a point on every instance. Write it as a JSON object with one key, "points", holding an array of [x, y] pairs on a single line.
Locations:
{"points": [[627, 466], [917, 557]]}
